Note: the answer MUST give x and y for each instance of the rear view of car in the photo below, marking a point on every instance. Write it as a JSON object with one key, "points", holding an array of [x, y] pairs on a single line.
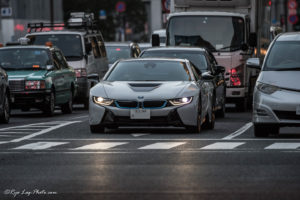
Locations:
{"points": [[277, 93]]}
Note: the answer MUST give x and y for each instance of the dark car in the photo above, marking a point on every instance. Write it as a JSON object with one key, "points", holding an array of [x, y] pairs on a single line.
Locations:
{"points": [[204, 61], [119, 50]]}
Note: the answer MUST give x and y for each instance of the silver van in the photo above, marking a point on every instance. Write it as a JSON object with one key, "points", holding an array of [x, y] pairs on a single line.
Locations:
{"points": [[83, 46]]}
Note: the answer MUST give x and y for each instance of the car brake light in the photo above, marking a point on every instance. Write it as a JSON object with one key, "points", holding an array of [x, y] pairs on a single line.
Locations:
{"points": [[234, 78], [80, 72]]}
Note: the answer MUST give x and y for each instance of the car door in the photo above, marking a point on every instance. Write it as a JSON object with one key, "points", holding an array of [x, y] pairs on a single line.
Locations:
{"points": [[58, 79]]}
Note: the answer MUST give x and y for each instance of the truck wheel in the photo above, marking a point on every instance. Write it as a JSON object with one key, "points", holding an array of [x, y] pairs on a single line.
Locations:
{"points": [[97, 129], [4, 118], [67, 108], [50, 105]]}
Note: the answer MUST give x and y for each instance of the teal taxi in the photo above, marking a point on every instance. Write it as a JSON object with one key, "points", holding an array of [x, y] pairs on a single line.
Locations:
{"points": [[39, 77]]}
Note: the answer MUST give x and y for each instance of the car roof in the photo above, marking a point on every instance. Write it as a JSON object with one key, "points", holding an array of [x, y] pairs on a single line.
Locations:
{"points": [[64, 32], [155, 59], [176, 49], [291, 36], [27, 47], [206, 13]]}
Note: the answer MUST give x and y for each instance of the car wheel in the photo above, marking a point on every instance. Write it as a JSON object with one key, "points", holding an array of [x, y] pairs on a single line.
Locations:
{"points": [[97, 129], [50, 105], [67, 108], [265, 130], [4, 118], [197, 128]]}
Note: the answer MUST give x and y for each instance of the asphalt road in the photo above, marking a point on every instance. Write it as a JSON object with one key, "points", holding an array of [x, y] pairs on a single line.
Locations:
{"points": [[58, 158]]}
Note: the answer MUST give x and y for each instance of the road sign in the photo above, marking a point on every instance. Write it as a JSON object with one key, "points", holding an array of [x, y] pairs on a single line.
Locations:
{"points": [[293, 19], [292, 4], [120, 6], [102, 14], [6, 12]]}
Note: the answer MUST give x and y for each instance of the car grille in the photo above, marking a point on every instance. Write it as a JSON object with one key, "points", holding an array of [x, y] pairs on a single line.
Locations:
{"points": [[154, 104], [291, 115], [127, 104], [16, 85]]}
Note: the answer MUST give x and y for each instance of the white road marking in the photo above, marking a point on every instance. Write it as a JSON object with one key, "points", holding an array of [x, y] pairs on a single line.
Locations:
{"points": [[6, 132], [26, 129], [239, 132], [163, 145], [3, 142], [139, 134], [44, 131], [5, 135], [164, 139], [40, 145], [80, 117], [284, 146], [223, 145], [101, 146]]}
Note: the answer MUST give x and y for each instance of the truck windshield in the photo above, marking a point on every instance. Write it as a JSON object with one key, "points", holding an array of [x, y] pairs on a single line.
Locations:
{"points": [[284, 56], [212, 32], [24, 58], [70, 44]]}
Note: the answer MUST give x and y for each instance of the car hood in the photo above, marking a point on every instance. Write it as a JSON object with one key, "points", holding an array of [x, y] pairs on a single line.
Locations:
{"points": [[26, 74], [282, 79], [147, 90]]}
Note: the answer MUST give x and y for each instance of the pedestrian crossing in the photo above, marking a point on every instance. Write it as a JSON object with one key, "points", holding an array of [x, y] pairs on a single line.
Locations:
{"points": [[150, 145]]}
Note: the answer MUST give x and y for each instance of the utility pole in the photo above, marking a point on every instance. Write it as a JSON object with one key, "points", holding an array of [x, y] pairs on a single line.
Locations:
{"points": [[51, 12]]}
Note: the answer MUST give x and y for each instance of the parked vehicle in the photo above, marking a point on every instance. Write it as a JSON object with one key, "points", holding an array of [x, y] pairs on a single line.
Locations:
{"points": [[39, 77], [204, 61], [276, 100], [119, 50], [82, 44], [226, 28], [4, 97], [152, 92]]}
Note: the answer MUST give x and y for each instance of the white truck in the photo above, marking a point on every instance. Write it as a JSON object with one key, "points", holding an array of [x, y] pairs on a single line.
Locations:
{"points": [[228, 29]]}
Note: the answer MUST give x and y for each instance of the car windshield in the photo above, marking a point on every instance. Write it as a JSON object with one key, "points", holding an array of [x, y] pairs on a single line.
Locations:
{"points": [[284, 55], [212, 32], [69, 44], [150, 70], [198, 59], [24, 58], [115, 53]]}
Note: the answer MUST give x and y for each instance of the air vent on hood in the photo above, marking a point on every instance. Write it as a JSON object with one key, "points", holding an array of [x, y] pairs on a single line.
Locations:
{"points": [[144, 84]]}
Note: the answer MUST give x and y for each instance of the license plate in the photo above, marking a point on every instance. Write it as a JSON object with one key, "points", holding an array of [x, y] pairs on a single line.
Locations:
{"points": [[139, 114], [298, 110]]}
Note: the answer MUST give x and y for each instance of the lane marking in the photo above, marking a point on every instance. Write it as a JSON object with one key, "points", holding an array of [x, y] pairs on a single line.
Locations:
{"points": [[284, 146], [223, 145], [8, 132], [3, 142], [44, 131], [163, 139], [139, 134], [26, 129], [239, 132], [162, 145], [40, 145], [101, 146], [80, 117]]}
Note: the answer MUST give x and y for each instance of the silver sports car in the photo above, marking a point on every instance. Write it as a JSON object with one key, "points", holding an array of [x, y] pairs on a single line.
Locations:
{"points": [[152, 92]]}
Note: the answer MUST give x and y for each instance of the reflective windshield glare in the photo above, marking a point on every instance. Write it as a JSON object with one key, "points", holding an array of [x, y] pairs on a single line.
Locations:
{"points": [[24, 58], [150, 71]]}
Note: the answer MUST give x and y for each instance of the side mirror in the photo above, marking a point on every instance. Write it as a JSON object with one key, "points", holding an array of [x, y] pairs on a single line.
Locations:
{"points": [[50, 67], [219, 69], [207, 76], [253, 63], [88, 48], [155, 40], [253, 39], [93, 77]]}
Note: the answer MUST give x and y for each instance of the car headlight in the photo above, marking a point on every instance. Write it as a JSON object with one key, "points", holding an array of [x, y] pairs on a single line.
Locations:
{"points": [[35, 85], [103, 101], [267, 89], [181, 101]]}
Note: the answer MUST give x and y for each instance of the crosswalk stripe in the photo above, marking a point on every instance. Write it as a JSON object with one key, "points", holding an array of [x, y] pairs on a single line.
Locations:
{"points": [[283, 146], [40, 145], [101, 146], [223, 145], [163, 145]]}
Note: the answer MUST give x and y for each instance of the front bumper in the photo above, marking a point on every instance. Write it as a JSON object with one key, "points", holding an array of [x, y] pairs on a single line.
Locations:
{"points": [[30, 98], [168, 116], [278, 108]]}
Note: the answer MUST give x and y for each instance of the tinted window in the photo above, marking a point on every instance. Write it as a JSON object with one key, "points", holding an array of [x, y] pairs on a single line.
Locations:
{"points": [[196, 58], [69, 44], [115, 53], [24, 58], [283, 55], [150, 71]]}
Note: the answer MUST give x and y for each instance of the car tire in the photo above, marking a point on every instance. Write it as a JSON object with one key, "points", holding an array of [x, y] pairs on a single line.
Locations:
{"points": [[67, 108], [265, 130], [50, 106], [4, 118], [196, 129], [97, 129]]}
